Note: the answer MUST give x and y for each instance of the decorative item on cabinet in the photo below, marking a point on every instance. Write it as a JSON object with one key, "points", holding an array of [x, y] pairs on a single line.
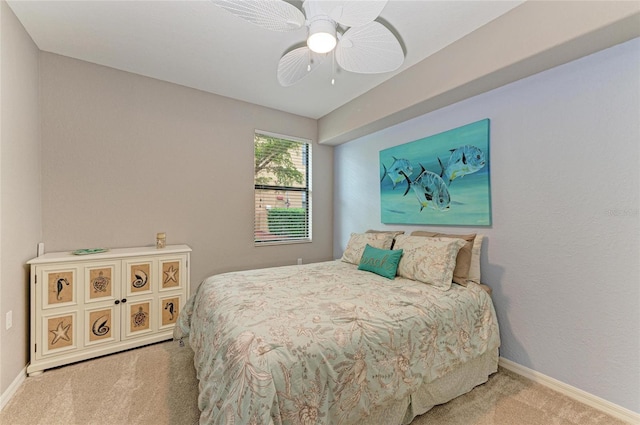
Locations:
{"points": [[88, 306], [161, 240]]}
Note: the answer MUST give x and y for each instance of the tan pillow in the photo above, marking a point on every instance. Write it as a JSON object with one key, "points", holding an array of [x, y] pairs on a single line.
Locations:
{"points": [[474, 270], [463, 261], [358, 242], [390, 232], [393, 232], [428, 260]]}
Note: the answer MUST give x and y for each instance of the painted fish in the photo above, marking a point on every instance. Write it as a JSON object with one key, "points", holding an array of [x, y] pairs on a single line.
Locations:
{"points": [[398, 167], [463, 160], [430, 190]]}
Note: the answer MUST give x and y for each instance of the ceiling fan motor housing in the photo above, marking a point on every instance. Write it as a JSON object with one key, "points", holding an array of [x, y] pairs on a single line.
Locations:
{"points": [[322, 29]]}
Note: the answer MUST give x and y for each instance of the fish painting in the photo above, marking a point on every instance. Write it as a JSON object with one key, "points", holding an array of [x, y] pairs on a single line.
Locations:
{"points": [[399, 168], [463, 160], [440, 163], [430, 190]]}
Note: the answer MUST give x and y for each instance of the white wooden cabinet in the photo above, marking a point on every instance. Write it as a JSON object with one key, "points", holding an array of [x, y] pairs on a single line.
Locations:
{"points": [[84, 306]]}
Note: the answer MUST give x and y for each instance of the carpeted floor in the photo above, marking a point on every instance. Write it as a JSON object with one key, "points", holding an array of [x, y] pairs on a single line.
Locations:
{"points": [[157, 385]]}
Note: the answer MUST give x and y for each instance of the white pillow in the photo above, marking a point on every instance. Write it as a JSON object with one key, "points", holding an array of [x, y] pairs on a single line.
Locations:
{"points": [[428, 260], [359, 241], [474, 268]]}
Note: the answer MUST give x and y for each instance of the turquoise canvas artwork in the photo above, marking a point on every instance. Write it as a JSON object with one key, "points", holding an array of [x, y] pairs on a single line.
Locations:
{"points": [[439, 180]]}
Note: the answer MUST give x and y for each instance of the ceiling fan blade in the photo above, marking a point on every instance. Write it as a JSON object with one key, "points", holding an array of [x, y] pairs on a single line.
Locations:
{"points": [[369, 49], [275, 15], [352, 13], [297, 64]]}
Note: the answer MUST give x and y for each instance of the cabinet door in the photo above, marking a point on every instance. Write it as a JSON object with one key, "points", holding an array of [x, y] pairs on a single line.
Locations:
{"points": [[140, 288], [102, 288], [58, 300], [173, 272]]}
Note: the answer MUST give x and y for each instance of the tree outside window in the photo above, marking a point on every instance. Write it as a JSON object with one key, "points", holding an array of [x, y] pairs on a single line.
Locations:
{"points": [[282, 189]]}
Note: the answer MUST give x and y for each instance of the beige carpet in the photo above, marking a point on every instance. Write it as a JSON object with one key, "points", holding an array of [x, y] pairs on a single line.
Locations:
{"points": [[157, 385]]}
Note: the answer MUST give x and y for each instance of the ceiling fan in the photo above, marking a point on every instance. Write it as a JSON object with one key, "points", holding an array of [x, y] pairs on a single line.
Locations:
{"points": [[345, 27]]}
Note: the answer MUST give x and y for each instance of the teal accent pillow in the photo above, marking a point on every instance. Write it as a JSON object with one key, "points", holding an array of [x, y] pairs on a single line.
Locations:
{"points": [[380, 261]]}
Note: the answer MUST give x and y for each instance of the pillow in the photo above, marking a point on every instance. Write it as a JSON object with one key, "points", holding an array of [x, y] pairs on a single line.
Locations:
{"points": [[383, 262], [474, 269], [463, 261], [358, 241], [428, 260], [391, 232]]}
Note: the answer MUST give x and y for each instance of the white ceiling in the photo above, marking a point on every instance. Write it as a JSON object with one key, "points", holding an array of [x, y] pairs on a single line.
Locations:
{"points": [[197, 44]]}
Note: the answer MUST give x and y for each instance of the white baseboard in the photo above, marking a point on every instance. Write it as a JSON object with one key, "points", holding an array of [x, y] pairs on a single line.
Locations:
{"points": [[11, 390], [577, 394]]}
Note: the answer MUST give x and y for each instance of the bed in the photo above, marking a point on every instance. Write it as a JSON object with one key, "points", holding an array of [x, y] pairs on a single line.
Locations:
{"points": [[335, 343]]}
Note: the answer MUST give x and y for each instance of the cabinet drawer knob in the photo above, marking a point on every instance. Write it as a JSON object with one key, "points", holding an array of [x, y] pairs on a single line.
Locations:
{"points": [[117, 302], [124, 300]]}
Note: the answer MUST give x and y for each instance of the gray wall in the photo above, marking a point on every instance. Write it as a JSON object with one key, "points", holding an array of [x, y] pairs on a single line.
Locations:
{"points": [[562, 254], [126, 156], [20, 210]]}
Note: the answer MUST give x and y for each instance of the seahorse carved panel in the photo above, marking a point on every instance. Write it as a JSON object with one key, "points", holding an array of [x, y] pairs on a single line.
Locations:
{"points": [[170, 309], [60, 287]]}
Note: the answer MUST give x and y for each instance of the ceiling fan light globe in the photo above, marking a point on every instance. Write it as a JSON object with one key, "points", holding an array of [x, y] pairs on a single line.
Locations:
{"points": [[321, 42], [322, 36]]}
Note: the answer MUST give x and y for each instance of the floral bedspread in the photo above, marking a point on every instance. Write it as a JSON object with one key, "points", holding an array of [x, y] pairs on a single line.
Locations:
{"points": [[324, 343]]}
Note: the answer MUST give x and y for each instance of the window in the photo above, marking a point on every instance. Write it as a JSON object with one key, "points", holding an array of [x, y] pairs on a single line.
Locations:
{"points": [[282, 182]]}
